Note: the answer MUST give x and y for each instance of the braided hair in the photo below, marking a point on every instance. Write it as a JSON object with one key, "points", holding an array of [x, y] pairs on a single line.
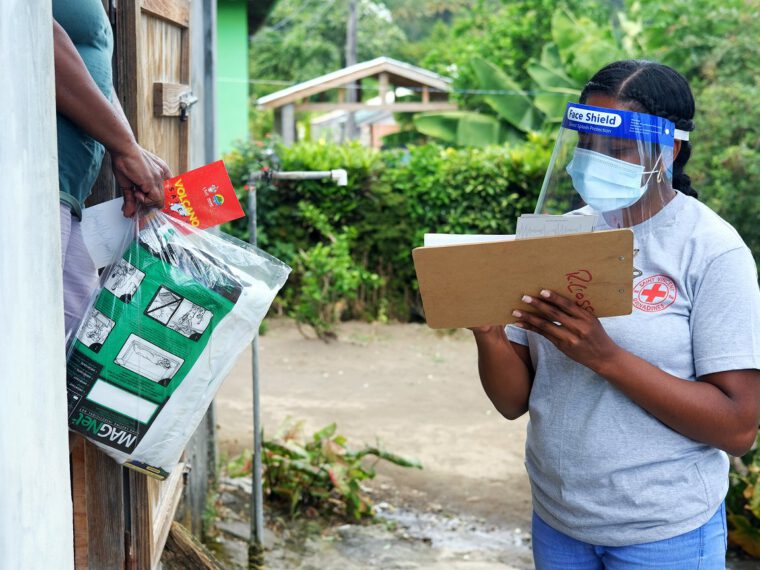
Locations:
{"points": [[655, 89]]}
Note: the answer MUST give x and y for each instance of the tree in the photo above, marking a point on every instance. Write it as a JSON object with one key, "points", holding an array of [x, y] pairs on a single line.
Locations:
{"points": [[303, 39]]}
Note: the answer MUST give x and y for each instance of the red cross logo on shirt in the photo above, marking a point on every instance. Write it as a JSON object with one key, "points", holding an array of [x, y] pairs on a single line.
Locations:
{"points": [[654, 294]]}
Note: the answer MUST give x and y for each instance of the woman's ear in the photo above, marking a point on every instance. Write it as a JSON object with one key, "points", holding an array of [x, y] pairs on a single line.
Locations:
{"points": [[676, 149]]}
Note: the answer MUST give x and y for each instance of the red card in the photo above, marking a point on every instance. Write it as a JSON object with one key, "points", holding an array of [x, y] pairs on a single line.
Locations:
{"points": [[203, 197]]}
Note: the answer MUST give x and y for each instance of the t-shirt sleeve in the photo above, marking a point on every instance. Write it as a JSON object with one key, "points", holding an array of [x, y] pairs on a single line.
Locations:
{"points": [[517, 335], [725, 317]]}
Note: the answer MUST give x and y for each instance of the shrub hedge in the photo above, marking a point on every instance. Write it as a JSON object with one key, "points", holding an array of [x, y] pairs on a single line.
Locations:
{"points": [[392, 198]]}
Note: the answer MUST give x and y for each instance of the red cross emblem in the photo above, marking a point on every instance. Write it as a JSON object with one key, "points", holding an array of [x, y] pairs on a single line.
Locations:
{"points": [[655, 293]]}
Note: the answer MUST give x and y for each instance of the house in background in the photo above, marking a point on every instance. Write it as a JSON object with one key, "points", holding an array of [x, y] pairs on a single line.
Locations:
{"points": [[374, 116], [372, 126]]}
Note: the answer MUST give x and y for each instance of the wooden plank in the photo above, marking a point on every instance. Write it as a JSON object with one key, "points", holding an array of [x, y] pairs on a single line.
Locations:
{"points": [[128, 54], [161, 45], [166, 97], [174, 11], [79, 499], [396, 107], [141, 522], [163, 514], [184, 73], [184, 552], [105, 510]]}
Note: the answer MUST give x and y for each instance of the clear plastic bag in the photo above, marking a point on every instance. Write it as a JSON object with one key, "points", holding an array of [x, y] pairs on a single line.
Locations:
{"points": [[162, 332]]}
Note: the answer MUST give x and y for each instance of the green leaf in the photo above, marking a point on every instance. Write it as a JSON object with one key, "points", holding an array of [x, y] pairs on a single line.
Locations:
{"points": [[550, 57], [463, 128], [478, 130], [514, 107], [326, 432], [554, 102], [551, 77], [744, 535], [439, 125]]}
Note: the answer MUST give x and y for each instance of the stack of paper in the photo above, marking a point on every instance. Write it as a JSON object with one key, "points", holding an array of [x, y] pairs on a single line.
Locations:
{"points": [[539, 225]]}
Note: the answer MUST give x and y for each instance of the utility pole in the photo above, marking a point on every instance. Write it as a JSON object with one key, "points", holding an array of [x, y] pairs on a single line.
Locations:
{"points": [[351, 96]]}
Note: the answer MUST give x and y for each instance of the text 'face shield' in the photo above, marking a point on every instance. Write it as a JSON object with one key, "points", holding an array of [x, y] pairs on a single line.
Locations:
{"points": [[610, 162]]}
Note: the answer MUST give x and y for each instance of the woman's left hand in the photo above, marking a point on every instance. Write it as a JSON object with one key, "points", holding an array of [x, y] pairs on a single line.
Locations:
{"points": [[574, 331]]}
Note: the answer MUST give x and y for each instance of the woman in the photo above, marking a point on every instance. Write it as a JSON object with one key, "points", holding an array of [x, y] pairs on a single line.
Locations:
{"points": [[631, 417]]}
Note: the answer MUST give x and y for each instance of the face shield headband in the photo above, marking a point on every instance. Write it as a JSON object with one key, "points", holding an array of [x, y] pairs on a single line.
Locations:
{"points": [[610, 160]]}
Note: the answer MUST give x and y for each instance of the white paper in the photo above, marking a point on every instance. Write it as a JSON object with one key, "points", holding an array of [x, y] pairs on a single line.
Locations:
{"points": [[537, 225], [458, 239], [104, 228], [121, 401]]}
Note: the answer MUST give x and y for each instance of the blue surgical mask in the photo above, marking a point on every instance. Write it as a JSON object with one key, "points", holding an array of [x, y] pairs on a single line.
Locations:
{"points": [[606, 183]]}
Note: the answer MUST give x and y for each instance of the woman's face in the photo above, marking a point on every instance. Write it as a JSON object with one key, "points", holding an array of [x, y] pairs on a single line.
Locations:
{"points": [[623, 149], [620, 148]]}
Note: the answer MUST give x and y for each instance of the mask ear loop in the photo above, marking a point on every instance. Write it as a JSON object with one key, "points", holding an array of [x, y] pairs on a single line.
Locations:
{"points": [[652, 172]]}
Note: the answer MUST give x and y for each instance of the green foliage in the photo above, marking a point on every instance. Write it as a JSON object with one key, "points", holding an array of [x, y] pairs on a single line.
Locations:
{"points": [[578, 48], [743, 502], [392, 198], [329, 277], [303, 39], [725, 162], [708, 41], [320, 472]]}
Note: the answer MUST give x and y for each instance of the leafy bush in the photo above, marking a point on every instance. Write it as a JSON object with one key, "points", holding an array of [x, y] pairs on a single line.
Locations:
{"points": [[743, 502], [726, 159], [320, 473], [329, 276], [392, 198]]}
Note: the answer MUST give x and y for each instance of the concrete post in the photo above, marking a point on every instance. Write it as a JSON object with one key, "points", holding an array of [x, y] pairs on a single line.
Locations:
{"points": [[35, 492], [288, 125]]}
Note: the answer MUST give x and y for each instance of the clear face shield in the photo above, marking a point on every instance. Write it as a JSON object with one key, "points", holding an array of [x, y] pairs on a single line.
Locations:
{"points": [[613, 163]]}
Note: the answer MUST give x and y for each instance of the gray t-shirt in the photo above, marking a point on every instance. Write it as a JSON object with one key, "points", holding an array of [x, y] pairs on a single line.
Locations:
{"points": [[602, 469]]}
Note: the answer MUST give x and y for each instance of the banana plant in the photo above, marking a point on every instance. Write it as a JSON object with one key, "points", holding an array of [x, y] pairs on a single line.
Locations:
{"points": [[578, 47]]}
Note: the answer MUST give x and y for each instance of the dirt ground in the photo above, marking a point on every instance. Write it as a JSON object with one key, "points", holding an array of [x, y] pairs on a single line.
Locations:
{"points": [[417, 393], [412, 389]]}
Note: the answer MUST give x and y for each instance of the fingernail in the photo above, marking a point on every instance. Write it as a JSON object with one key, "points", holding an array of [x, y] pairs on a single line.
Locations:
{"points": [[519, 325], [526, 299], [545, 293], [517, 314]]}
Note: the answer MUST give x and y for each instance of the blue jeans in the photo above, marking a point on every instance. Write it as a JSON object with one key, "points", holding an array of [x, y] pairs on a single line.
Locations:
{"points": [[701, 549]]}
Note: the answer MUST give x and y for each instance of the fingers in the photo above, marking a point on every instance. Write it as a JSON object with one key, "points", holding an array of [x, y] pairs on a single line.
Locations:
{"points": [[567, 305], [130, 207], [536, 323]]}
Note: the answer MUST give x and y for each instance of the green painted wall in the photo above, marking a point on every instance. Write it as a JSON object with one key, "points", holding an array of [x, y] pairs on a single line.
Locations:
{"points": [[231, 73]]}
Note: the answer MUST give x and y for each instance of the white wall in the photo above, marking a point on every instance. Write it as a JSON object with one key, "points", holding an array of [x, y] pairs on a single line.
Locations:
{"points": [[35, 494]]}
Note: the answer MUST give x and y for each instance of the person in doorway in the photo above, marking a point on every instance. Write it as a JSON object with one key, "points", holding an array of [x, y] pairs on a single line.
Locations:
{"points": [[90, 120], [632, 417]]}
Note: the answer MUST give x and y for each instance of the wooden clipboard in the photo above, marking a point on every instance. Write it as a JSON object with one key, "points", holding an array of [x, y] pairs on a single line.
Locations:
{"points": [[481, 284]]}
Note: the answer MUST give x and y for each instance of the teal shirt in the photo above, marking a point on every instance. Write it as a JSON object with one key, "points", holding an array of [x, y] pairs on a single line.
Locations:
{"points": [[79, 155]]}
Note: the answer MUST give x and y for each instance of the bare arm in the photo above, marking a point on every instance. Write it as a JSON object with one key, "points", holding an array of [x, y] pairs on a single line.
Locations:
{"points": [[80, 100], [721, 409], [505, 371]]}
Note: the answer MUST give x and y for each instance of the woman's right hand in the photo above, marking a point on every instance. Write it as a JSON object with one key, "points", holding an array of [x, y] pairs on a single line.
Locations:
{"points": [[140, 174]]}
